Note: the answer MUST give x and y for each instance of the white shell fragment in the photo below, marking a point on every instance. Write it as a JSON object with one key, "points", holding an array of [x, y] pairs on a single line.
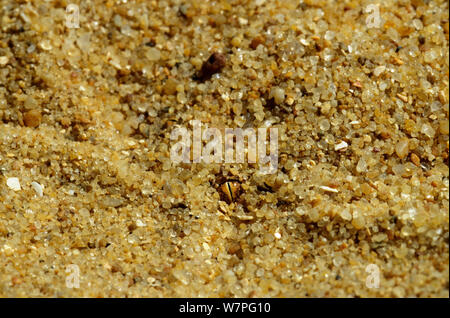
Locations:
{"points": [[245, 217], [13, 184], [329, 189], [38, 188], [340, 146]]}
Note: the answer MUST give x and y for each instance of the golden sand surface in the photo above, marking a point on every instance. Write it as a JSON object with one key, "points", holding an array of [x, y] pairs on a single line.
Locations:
{"points": [[88, 187]]}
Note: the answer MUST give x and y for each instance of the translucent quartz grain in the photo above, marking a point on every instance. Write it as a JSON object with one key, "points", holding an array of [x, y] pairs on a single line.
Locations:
{"points": [[402, 148], [278, 94], [324, 124], [378, 70], [153, 54], [362, 165], [427, 130], [3, 60]]}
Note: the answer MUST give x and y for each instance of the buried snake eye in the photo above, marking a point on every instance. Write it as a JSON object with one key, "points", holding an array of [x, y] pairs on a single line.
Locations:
{"points": [[230, 190]]}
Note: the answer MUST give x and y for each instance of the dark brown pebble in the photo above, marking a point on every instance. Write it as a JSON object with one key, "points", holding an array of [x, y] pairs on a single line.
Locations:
{"points": [[257, 41], [132, 227], [421, 39], [214, 64], [32, 118], [150, 43], [116, 268], [236, 249]]}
